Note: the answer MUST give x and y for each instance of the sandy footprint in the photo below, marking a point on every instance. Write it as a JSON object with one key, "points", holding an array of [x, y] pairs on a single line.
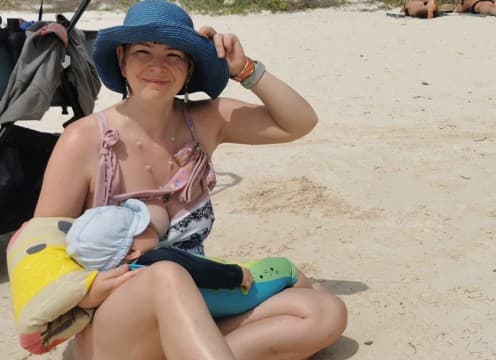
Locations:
{"points": [[299, 196]]}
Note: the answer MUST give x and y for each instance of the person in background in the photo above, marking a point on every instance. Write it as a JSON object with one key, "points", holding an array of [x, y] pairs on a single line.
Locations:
{"points": [[427, 9], [486, 7]]}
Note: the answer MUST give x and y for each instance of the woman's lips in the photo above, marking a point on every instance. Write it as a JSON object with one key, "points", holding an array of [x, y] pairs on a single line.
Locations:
{"points": [[157, 81]]}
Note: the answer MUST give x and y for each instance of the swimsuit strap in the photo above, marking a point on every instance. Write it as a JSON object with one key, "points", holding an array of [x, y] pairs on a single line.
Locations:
{"points": [[107, 180], [194, 165], [189, 122], [200, 169]]}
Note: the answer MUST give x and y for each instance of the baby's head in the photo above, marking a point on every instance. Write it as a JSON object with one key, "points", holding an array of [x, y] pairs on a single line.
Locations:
{"points": [[101, 238]]}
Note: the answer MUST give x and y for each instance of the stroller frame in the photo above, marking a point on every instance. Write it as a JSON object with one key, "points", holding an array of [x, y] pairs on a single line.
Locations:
{"points": [[24, 152]]}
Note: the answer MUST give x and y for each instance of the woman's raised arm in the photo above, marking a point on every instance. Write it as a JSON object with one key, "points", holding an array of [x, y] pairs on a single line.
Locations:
{"points": [[284, 116]]}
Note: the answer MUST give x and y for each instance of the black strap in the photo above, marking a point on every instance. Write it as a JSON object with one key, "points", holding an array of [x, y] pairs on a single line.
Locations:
{"points": [[40, 13], [82, 6]]}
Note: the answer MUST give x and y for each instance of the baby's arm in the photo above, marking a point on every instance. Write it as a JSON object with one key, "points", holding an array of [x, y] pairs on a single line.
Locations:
{"points": [[206, 273]]}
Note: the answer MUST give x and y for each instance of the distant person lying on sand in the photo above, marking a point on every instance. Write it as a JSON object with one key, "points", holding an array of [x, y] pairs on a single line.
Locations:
{"points": [[421, 8], [487, 7]]}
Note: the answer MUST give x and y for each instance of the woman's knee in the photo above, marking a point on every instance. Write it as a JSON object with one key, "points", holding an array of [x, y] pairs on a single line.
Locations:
{"points": [[329, 317], [337, 314], [167, 274], [145, 287]]}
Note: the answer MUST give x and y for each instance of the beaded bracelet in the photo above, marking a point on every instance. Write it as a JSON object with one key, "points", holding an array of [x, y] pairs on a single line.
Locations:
{"points": [[247, 70], [250, 74]]}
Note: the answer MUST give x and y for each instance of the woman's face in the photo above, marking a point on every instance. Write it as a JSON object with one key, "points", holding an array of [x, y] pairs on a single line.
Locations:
{"points": [[153, 71]]}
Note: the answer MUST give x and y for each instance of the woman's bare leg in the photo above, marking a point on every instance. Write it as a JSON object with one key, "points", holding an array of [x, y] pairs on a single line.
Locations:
{"points": [[293, 324], [421, 8], [157, 314], [486, 8]]}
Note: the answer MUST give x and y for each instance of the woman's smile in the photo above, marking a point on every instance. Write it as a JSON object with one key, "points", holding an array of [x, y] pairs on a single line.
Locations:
{"points": [[159, 82]]}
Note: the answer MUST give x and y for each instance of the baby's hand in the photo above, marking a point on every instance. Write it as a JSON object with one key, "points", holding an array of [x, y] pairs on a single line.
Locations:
{"points": [[133, 254], [247, 279]]}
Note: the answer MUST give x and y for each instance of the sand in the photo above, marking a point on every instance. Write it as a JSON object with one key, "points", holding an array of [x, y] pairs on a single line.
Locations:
{"points": [[390, 202]]}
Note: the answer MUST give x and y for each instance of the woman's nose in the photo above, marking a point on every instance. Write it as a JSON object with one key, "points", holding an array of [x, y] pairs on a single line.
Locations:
{"points": [[158, 64]]}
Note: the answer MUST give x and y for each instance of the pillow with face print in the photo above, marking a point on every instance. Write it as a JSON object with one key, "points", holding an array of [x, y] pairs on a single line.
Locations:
{"points": [[46, 285]]}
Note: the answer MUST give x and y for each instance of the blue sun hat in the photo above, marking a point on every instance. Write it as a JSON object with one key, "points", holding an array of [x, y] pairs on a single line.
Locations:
{"points": [[100, 238], [166, 23]]}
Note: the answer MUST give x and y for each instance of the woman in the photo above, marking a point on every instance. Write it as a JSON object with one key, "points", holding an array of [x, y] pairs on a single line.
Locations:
{"points": [[421, 8], [486, 7], [154, 147]]}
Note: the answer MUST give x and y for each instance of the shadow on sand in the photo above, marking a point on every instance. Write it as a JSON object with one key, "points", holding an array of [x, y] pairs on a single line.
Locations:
{"points": [[345, 347], [225, 180], [342, 349], [342, 287], [4, 240]]}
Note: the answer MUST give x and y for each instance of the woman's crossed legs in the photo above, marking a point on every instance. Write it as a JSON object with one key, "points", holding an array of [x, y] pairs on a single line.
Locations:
{"points": [[157, 314], [160, 311], [293, 324]]}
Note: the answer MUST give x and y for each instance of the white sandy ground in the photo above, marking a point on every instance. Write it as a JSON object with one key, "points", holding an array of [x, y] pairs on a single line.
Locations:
{"points": [[390, 202]]}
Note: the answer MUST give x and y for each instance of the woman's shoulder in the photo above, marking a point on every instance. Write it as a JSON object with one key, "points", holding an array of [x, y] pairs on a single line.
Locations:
{"points": [[82, 133]]}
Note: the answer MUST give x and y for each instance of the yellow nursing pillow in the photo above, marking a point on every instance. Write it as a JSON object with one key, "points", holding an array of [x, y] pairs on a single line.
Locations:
{"points": [[46, 284]]}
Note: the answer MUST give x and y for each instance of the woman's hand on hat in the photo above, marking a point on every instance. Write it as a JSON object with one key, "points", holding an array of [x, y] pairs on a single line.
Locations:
{"points": [[106, 282], [228, 46]]}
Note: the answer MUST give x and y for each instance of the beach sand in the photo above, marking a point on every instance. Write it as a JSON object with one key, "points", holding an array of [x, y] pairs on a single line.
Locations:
{"points": [[390, 201]]}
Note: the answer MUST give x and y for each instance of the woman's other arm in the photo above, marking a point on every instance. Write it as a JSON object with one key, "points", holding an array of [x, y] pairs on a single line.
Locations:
{"points": [[65, 190], [67, 177]]}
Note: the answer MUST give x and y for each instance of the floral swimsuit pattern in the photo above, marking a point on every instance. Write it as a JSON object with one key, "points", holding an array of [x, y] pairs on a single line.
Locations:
{"points": [[189, 227]]}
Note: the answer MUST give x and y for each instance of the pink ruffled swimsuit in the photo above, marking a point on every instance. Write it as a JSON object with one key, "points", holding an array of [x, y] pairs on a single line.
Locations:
{"points": [[189, 228]]}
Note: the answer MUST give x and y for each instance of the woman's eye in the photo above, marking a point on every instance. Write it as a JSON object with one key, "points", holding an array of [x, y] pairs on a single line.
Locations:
{"points": [[175, 56], [140, 51]]}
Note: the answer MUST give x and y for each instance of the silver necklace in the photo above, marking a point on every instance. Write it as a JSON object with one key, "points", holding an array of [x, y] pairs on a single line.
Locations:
{"points": [[148, 167]]}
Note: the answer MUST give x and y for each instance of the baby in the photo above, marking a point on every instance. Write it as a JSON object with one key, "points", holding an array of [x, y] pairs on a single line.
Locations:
{"points": [[108, 236]]}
